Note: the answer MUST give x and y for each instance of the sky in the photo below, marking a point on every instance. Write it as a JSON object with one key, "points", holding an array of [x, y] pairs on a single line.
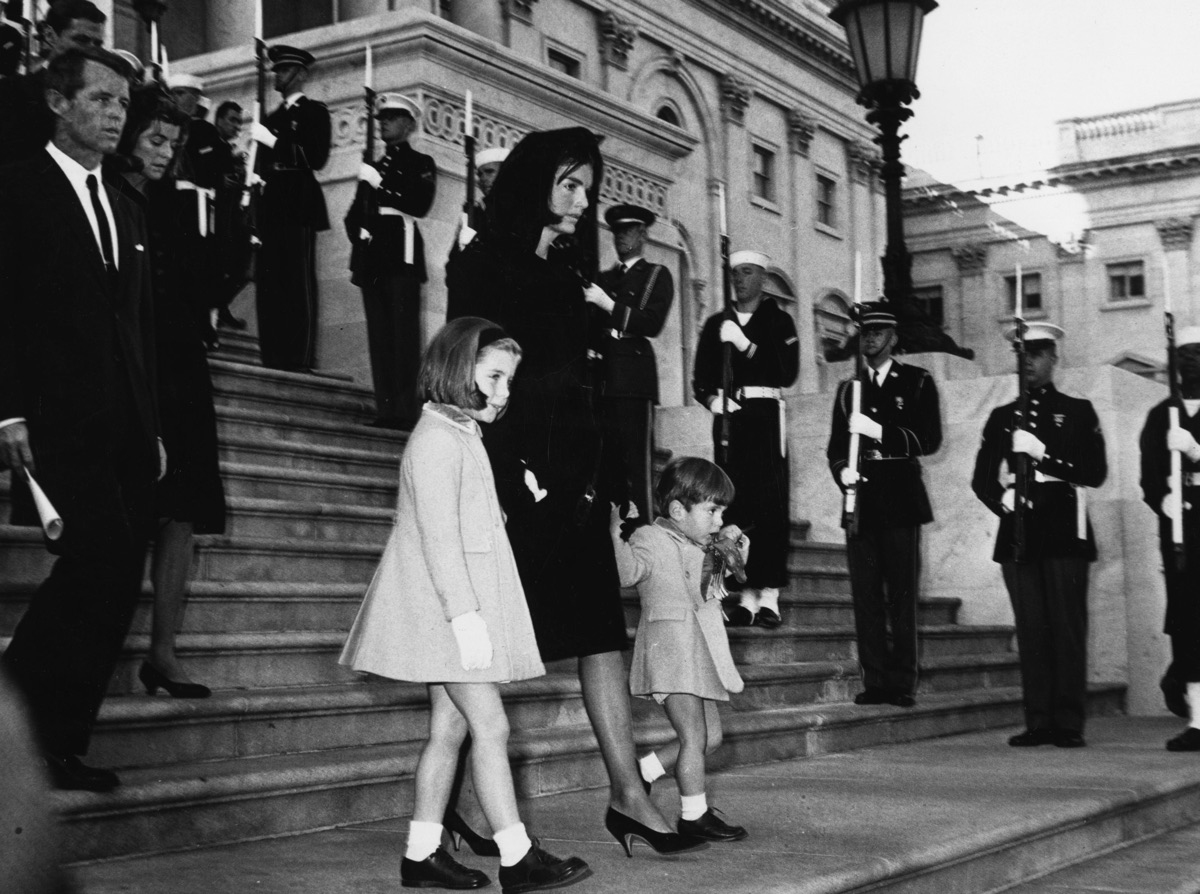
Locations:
{"points": [[1008, 69]]}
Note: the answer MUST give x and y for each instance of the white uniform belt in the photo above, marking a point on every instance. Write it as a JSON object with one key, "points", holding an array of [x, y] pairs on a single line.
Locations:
{"points": [[203, 199], [1043, 478], [410, 227], [750, 392]]}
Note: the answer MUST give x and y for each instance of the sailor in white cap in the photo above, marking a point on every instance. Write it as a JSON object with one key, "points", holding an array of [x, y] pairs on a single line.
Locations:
{"points": [[898, 421], [1064, 448], [765, 359], [387, 261], [294, 143], [1159, 441]]}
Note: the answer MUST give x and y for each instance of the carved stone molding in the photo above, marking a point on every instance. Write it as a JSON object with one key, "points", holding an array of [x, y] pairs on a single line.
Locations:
{"points": [[801, 129], [1175, 232], [735, 97], [521, 10], [676, 60], [971, 257], [1074, 249], [623, 186], [865, 161], [616, 40], [699, 301]]}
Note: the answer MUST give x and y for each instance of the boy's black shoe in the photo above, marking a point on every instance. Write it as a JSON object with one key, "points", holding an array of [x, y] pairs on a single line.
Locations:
{"points": [[541, 871], [711, 827], [768, 617], [440, 870], [1188, 740]]}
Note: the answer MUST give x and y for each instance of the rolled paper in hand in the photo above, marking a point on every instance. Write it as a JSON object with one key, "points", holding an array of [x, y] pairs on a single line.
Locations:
{"points": [[52, 522]]}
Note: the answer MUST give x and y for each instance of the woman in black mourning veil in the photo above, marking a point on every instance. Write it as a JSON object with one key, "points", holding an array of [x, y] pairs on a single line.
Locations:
{"points": [[547, 453]]}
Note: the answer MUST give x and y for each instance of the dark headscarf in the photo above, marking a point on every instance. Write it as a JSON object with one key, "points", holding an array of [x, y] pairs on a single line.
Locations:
{"points": [[147, 104], [518, 205]]}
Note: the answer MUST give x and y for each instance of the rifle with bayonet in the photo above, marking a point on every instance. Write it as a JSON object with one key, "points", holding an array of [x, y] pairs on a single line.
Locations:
{"points": [[726, 347], [1021, 422], [1175, 494], [365, 200], [850, 516]]}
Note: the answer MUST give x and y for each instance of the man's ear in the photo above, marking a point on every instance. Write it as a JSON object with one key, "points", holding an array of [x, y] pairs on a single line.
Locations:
{"points": [[57, 102]]}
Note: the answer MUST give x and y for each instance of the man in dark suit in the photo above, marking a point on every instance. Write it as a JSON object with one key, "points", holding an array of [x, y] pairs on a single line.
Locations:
{"points": [[899, 421], [765, 359], [1048, 587], [637, 298], [1181, 683], [295, 144], [388, 258], [77, 402]]}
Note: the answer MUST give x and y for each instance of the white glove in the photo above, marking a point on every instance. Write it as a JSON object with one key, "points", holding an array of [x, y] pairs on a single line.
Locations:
{"points": [[1181, 441], [260, 134], [1168, 505], [717, 405], [531, 482], [861, 424], [256, 180], [732, 333], [465, 236], [1009, 500], [1024, 442], [162, 460], [849, 477], [369, 174], [474, 644]]}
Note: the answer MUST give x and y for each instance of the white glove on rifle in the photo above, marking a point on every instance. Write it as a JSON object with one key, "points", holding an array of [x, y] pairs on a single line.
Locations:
{"points": [[1009, 500], [260, 134], [849, 477], [716, 406], [1024, 442], [369, 174], [474, 644], [1181, 441], [861, 424], [732, 333], [465, 236]]}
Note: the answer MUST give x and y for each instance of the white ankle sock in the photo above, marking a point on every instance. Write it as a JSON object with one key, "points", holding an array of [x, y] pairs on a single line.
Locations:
{"points": [[749, 600], [651, 767], [1193, 697], [514, 844], [692, 807], [423, 840], [768, 597]]}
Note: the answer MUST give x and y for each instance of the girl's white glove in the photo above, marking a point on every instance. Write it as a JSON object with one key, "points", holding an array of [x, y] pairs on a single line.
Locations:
{"points": [[474, 644]]}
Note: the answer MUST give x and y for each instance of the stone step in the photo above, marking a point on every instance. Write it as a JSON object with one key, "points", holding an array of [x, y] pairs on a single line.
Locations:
{"points": [[803, 605], [270, 426], [180, 806], [271, 483], [754, 645], [299, 454], [284, 519], [237, 347], [320, 397]]}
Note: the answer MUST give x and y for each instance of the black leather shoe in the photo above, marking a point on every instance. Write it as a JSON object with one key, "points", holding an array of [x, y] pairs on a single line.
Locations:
{"points": [[1174, 692], [154, 679], [1032, 738], [711, 827], [768, 617], [459, 832], [625, 829], [440, 870], [1068, 738], [68, 772], [226, 318], [901, 700], [739, 616], [541, 871], [872, 697], [1188, 740]]}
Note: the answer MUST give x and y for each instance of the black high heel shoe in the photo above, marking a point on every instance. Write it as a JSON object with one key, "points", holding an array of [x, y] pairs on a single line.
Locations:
{"points": [[154, 679], [460, 832], [625, 829]]}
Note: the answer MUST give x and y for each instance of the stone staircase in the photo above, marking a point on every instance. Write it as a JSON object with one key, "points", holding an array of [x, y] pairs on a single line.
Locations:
{"points": [[290, 741]]}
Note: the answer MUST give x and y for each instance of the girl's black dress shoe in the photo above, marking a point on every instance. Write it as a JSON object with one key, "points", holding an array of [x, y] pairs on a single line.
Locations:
{"points": [[440, 870], [459, 832], [625, 829], [541, 871], [154, 679]]}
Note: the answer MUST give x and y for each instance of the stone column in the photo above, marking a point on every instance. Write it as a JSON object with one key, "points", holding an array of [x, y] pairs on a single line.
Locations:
{"points": [[978, 323], [230, 23], [802, 126]]}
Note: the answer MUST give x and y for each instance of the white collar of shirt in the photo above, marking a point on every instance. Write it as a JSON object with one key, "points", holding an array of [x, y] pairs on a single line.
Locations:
{"points": [[77, 174], [628, 265], [880, 374], [292, 99]]}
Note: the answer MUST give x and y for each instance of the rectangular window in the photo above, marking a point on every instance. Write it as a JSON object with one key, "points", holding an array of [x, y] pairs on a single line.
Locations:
{"points": [[764, 173], [1031, 290], [1126, 282], [826, 201], [929, 299], [560, 61]]}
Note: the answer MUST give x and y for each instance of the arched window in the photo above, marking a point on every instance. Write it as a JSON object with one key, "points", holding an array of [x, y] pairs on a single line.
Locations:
{"points": [[668, 114]]}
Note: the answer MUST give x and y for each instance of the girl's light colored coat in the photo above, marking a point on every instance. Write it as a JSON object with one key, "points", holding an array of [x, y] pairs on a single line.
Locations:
{"points": [[681, 641], [447, 555]]}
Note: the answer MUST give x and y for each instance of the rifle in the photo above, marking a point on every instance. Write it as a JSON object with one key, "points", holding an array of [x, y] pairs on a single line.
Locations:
{"points": [[726, 347], [1176, 401], [14, 13], [468, 219], [250, 196], [1021, 494], [853, 454], [365, 197]]}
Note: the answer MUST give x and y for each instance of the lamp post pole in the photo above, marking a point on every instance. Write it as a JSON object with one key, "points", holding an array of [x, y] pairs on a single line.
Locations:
{"points": [[888, 110]]}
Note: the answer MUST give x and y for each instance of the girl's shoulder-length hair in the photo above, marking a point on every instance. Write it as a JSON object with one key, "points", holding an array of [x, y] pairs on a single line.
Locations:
{"points": [[447, 373]]}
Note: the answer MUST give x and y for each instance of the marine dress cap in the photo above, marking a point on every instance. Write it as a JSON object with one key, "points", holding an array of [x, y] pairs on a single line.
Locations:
{"points": [[622, 215], [1188, 335], [1037, 332], [876, 314], [738, 258], [397, 102], [490, 156], [183, 81], [281, 55]]}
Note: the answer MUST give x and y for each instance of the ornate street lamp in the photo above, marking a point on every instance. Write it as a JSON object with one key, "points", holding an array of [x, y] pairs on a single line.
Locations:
{"points": [[884, 37]]}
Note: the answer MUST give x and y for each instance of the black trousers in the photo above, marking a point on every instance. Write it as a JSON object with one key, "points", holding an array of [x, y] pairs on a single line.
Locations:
{"points": [[1049, 599], [1183, 595], [629, 430], [885, 569], [392, 305], [287, 297], [65, 647]]}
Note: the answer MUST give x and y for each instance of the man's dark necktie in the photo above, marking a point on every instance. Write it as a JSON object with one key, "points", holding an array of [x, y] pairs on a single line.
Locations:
{"points": [[102, 223]]}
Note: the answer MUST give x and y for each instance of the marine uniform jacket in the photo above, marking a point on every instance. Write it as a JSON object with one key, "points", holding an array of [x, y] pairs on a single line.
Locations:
{"points": [[643, 298], [1070, 429], [292, 194], [908, 408], [211, 158], [408, 185], [773, 360]]}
